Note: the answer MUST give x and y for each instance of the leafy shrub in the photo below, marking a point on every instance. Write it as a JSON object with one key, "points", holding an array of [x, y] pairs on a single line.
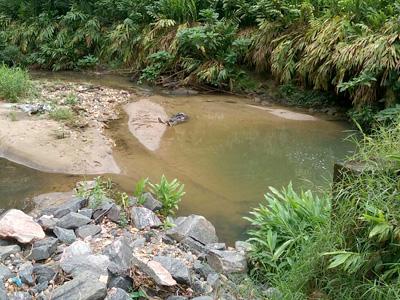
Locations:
{"points": [[140, 189], [282, 226], [14, 83], [169, 193]]}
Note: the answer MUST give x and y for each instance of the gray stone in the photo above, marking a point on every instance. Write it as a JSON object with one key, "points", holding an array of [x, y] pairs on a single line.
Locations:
{"points": [[227, 261], [176, 267], [196, 227], [20, 296], [195, 246], [47, 222], [3, 292], [121, 282], [151, 202], [6, 242], [203, 269], [43, 273], [203, 298], [103, 209], [213, 279], [88, 230], [87, 212], [66, 236], [118, 294], [40, 287], [73, 205], [5, 273], [6, 251], [114, 214], [83, 287], [143, 218], [176, 298], [155, 270], [242, 246], [201, 287], [138, 243], [120, 254], [26, 273], [73, 220], [77, 248], [96, 264], [216, 246], [43, 249]]}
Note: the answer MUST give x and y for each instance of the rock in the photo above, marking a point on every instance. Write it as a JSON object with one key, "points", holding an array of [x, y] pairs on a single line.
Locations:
{"points": [[83, 287], [242, 246], [103, 209], [196, 227], [120, 254], [203, 269], [201, 287], [122, 282], [67, 236], [178, 270], [151, 202], [6, 242], [155, 270], [47, 222], [26, 273], [20, 296], [77, 248], [114, 214], [71, 206], [203, 298], [18, 225], [138, 243], [96, 264], [216, 246], [87, 212], [5, 273], [143, 217], [118, 294], [88, 230], [176, 298], [73, 220], [213, 280], [6, 251], [195, 246], [43, 273], [43, 249], [3, 292], [40, 287], [227, 261]]}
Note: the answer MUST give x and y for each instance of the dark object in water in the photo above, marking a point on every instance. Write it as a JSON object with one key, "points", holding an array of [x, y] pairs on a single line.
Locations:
{"points": [[175, 119]]}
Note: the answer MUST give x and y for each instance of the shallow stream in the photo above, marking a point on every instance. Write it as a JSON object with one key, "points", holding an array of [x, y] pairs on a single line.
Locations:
{"points": [[227, 155]]}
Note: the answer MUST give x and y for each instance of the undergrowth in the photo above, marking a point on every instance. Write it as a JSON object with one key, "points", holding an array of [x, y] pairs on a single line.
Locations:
{"points": [[14, 84]]}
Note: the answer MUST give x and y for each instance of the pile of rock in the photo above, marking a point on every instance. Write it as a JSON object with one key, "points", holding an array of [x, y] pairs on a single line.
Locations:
{"points": [[71, 251]]}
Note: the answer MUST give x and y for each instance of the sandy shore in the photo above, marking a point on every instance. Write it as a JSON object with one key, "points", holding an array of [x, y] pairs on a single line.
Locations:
{"points": [[143, 122], [33, 142]]}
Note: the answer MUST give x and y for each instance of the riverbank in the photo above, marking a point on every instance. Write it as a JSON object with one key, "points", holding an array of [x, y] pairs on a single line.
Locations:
{"points": [[78, 245]]}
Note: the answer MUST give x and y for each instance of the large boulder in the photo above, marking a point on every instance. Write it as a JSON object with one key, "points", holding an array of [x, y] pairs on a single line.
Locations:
{"points": [[18, 225], [154, 270], [86, 286], [144, 218], [120, 254], [43, 249], [73, 220], [195, 227], [179, 271], [228, 261]]}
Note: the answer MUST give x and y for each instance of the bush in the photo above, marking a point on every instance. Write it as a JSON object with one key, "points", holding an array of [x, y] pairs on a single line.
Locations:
{"points": [[169, 193], [14, 83], [282, 226]]}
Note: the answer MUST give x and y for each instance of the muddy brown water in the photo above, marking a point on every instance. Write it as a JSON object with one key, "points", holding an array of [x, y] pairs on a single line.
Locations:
{"points": [[227, 156]]}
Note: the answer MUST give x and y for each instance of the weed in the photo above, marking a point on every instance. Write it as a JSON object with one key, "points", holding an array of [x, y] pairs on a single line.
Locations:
{"points": [[14, 83], [71, 99], [168, 193], [140, 189]]}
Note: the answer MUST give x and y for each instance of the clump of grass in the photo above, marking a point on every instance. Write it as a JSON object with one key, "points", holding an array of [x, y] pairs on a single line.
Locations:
{"points": [[14, 83], [71, 99], [13, 116]]}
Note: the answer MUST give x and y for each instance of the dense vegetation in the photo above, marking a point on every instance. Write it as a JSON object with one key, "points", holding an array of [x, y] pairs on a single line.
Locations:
{"points": [[351, 47], [339, 246]]}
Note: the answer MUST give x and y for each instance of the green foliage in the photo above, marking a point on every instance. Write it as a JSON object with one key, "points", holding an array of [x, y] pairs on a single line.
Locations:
{"points": [[305, 98], [64, 114], [140, 189], [97, 194], [282, 226], [14, 83], [168, 193], [71, 99]]}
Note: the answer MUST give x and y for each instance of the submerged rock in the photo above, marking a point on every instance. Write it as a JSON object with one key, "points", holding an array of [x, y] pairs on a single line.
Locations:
{"points": [[196, 227], [143, 218], [18, 225]]}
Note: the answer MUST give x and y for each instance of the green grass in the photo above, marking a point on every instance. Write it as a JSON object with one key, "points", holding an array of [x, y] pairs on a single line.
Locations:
{"points": [[64, 114], [14, 84]]}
